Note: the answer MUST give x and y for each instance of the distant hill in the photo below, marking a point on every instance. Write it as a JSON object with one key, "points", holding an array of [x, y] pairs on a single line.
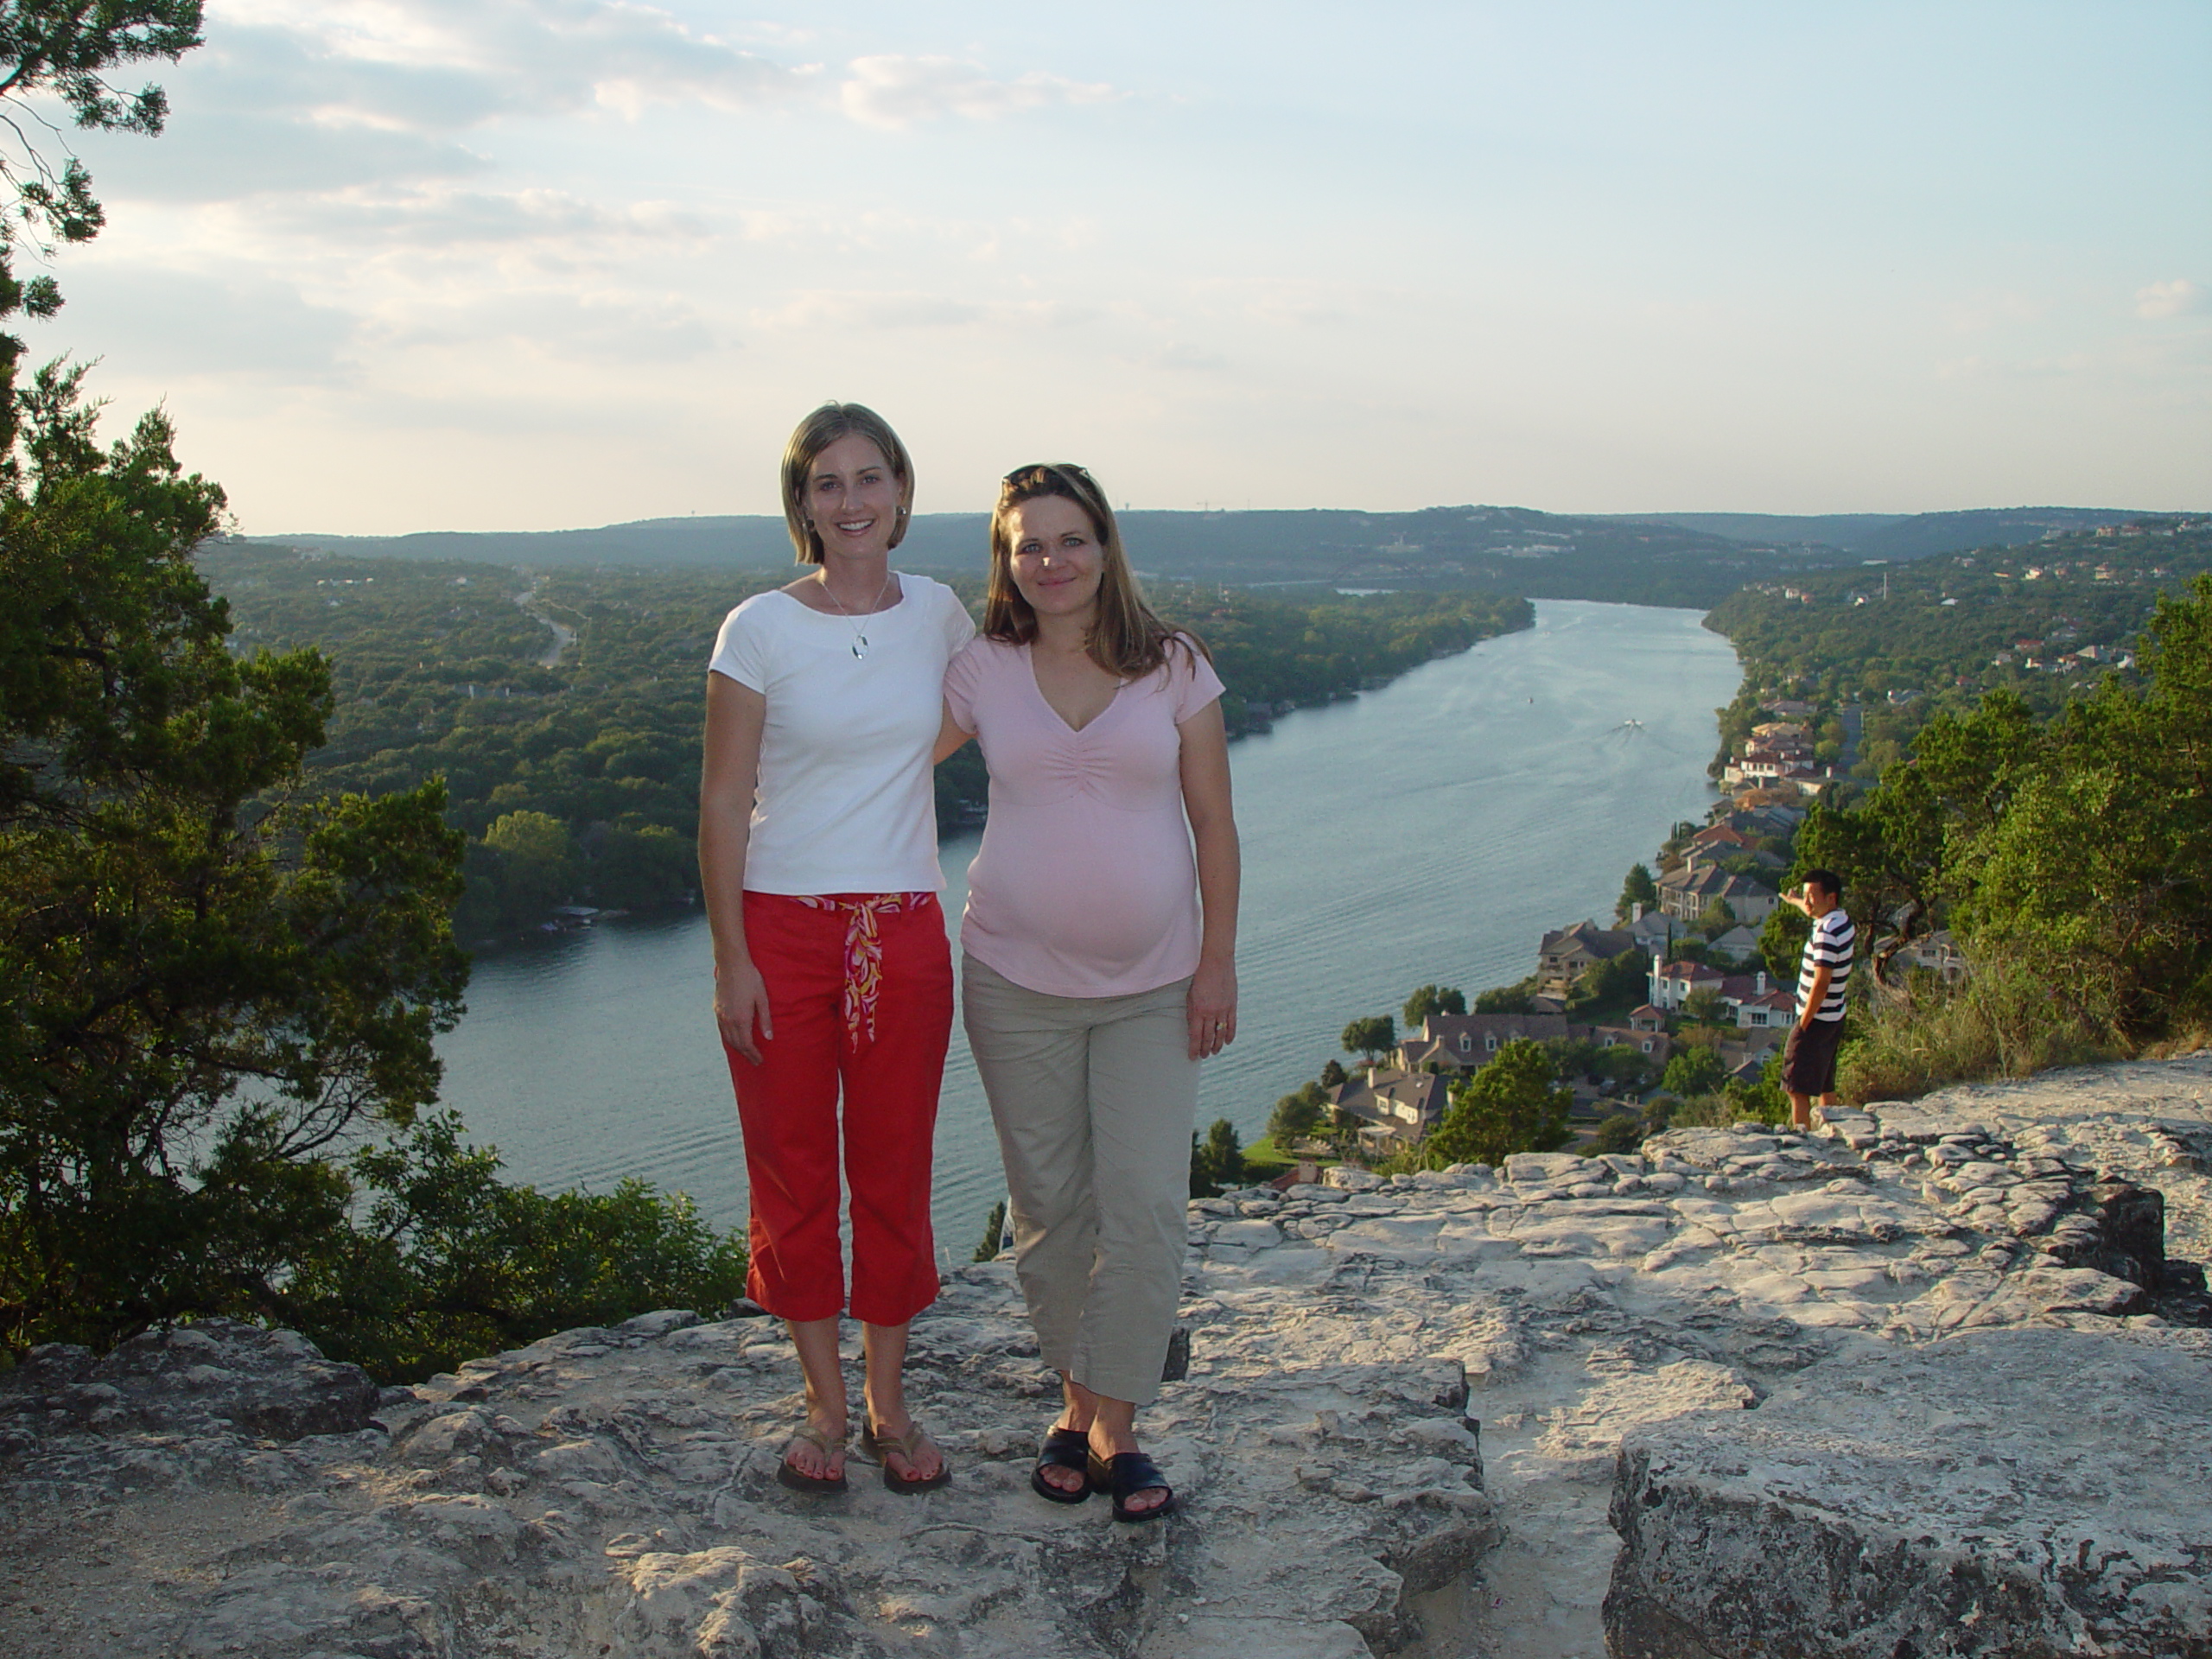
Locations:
{"points": [[1507, 549], [1688, 559], [1896, 536]]}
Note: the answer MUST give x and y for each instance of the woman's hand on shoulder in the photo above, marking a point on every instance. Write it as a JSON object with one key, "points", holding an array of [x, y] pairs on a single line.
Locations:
{"points": [[1212, 1007], [740, 1006]]}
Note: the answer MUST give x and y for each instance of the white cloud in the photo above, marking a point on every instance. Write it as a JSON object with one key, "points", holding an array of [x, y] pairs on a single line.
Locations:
{"points": [[555, 326], [2170, 299], [892, 90], [433, 64], [438, 215], [842, 309], [847, 310]]}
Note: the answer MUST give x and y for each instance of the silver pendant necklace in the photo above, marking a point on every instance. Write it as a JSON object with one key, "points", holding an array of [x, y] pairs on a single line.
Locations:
{"points": [[859, 622]]}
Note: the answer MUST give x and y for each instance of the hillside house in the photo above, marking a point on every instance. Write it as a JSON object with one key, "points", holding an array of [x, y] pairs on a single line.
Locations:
{"points": [[1468, 1042], [1739, 942], [1721, 840], [1669, 985], [1396, 1108], [1685, 894], [1939, 954], [1567, 953], [1756, 1005]]}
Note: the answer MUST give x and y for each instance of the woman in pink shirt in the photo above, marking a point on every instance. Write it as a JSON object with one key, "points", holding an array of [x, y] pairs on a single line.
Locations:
{"points": [[1099, 953]]}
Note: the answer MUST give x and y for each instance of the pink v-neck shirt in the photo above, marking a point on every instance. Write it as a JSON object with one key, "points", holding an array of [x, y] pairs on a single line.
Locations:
{"points": [[1084, 884]]}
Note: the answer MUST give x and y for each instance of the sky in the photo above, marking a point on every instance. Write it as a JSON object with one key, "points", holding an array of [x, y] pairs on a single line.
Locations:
{"points": [[400, 265]]}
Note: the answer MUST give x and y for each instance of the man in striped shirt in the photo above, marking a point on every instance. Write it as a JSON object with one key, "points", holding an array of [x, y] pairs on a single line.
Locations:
{"points": [[1808, 1058]]}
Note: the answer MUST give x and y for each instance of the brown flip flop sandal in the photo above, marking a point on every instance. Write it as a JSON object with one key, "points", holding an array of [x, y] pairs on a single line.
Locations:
{"points": [[797, 1480], [882, 1446]]}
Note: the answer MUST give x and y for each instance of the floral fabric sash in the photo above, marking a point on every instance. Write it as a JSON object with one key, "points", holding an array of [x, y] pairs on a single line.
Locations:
{"points": [[864, 951]]}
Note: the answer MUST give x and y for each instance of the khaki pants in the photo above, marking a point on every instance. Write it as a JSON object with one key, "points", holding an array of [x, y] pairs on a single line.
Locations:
{"points": [[1094, 1099]]}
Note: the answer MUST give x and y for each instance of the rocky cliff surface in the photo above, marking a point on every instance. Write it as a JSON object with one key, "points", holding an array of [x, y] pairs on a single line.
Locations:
{"points": [[1932, 1384]]}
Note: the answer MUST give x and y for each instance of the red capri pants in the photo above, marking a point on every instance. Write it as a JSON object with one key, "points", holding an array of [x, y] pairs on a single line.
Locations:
{"points": [[860, 991]]}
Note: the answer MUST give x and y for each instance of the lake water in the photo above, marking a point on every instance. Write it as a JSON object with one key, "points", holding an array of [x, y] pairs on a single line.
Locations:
{"points": [[1432, 830]]}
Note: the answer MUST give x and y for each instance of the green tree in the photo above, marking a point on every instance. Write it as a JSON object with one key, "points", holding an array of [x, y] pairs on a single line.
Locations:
{"points": [[1508, 1106], [1622, 1132], [1434, 999], [212, 981], [1612, 987], [1640, 888], [1782, 943], [1693, 1072], [1705, 1006], [633, 869], [1507, 999], [1224, 1156], [61, 49], [1296, 1116], [449, 1261], [988, 1248], [1372, 1037], [1333, 1074]]}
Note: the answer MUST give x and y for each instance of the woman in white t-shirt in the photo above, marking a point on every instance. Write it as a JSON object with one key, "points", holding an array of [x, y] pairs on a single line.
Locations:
{"points": [[818, 857]]}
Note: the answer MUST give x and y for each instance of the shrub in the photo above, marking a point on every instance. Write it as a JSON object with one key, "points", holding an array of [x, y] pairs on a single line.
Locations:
{"points": [[2004, 1020]]}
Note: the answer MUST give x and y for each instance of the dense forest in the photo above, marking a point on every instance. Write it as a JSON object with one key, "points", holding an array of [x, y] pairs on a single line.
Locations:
{"points": [[1905, 643], [563, 709]]}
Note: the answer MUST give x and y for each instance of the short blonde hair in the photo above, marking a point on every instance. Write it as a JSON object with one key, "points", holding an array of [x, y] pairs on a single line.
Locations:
{"points": [[817, 433], [1126, 639]]}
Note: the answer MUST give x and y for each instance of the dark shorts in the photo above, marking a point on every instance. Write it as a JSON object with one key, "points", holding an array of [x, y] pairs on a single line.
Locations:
{"points": [[1809, 1058]]}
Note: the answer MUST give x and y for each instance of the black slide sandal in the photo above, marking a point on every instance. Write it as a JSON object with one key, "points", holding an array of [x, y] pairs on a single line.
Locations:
{"points": [[1065, 1448], [1128, 1473]]}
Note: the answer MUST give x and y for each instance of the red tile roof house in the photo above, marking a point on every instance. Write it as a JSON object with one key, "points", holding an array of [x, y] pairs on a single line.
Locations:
{"points": [[1717, 837], [1756, 1004], [1670, 983]]}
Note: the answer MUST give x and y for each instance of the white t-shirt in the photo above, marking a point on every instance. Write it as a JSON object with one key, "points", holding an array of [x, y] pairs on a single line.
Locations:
{"points": [[845, 801]]}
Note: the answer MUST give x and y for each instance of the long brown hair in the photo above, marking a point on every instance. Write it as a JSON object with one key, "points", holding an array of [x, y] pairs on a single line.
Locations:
{"points": [[1125, 637], [817, 433]]}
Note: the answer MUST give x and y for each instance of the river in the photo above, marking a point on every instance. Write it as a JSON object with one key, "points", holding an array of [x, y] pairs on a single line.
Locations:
{"points": [[1431, 830]]}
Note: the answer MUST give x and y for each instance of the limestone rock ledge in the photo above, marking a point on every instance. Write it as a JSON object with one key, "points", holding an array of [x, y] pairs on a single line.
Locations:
{"points": [[2005, 1494], [221, 1489], [613, 1492]]}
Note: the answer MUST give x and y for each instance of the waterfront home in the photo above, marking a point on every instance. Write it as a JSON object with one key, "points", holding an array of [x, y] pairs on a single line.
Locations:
{"points": [[1396, 1107], [1720, 840], [1567, 953], [1468, 1042], [1686, 893]]}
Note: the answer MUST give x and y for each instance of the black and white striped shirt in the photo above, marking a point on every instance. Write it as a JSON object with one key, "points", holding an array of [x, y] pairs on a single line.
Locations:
{"points": [[1832, 942]]}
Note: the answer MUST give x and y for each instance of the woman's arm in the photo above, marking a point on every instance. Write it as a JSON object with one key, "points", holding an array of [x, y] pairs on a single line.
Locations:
{"points": [[950, 735], [1213, 832], [728, 780]]}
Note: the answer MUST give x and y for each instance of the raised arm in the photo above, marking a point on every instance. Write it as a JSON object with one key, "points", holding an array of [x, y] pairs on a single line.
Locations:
{"points": [[728, 780], [1204, 767]]}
